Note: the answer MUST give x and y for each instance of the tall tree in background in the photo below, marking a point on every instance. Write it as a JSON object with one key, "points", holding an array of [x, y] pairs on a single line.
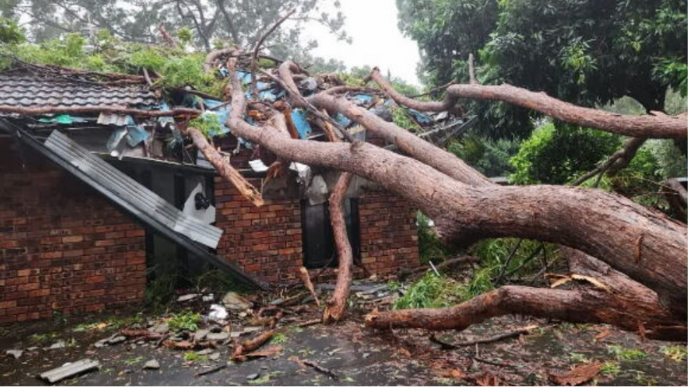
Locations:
{"points": [[214, 22], [588, 52]]}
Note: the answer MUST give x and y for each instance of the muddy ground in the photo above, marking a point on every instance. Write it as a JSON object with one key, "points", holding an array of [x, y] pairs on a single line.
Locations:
{"points": [[356, 355]]}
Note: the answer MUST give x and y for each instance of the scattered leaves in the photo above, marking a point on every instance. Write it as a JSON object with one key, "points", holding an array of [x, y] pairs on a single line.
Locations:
{"points": [[579, 375]]}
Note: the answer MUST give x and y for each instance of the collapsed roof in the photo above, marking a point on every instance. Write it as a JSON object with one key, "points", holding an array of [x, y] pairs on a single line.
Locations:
{"points": [[86, 114]]}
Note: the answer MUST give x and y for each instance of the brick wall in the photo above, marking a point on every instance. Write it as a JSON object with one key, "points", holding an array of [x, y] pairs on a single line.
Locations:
{"points": [[389, 239], [267, 241], [63, 247]]}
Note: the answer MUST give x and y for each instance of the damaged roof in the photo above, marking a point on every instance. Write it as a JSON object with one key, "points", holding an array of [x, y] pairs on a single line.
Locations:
{"points": [[28, 90]]}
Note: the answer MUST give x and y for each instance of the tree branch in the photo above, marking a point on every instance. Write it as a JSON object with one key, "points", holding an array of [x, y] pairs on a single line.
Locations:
{"points": [[336, 304], [225, 169], [256, 48], [617, 161], [652, 126], [582, 306]]}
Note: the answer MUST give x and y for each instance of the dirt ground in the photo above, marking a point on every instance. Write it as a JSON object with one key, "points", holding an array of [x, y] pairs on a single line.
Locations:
{"points": [[355, 355]]}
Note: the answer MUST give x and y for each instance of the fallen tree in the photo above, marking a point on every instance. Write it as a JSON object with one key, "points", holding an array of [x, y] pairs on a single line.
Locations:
{"points": [[642, 243], [645, 251]]}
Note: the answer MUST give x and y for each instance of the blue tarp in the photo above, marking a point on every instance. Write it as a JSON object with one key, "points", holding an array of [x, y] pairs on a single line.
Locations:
{"points": [[301, 123]]}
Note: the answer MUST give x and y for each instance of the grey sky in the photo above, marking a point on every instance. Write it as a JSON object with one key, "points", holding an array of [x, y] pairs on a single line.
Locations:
{"points": [[377, 41]]}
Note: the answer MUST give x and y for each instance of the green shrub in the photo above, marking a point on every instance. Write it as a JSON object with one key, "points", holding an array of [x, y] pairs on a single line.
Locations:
{"points": [[489, 157], [431, 291], [429, 245], [625, 354], [184, 321], [556, 153], [495, 252]]}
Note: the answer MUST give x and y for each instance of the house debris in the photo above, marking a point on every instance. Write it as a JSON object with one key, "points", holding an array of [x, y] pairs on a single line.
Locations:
{"points": [[129, 141], [69, 370]]}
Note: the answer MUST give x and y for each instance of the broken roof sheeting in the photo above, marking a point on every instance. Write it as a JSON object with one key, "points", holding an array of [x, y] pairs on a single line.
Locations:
{"points": [[150, 220], [60, 92], [131, 191]]}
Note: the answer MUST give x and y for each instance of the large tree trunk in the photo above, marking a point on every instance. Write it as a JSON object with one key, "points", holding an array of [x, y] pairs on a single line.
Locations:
{"points": [[644, 244]]}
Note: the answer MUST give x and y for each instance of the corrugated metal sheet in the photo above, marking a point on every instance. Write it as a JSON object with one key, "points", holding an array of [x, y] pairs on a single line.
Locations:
{"points": [[123, 201], [131, 191], [23, 90], [69, 370], [112, 119]]}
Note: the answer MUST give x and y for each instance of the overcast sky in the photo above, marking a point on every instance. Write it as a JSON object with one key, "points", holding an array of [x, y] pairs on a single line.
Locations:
{"points": [[377, 41]]}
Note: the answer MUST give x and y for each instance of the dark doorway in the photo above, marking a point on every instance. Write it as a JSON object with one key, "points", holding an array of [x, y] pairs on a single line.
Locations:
{"points": [[319, 249]]}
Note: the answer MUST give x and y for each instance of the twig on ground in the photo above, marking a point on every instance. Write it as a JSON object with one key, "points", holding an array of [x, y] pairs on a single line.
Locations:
{"points": [[492, 339]]}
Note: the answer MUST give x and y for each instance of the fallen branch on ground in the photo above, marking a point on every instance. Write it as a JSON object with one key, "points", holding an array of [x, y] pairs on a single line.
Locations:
{"points": [[582, 306], [306, 278], [241, 349], [492, 339]]}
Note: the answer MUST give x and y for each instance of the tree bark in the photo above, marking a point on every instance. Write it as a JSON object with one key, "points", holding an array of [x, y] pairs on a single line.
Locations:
{"points": [[225, 169], [336, 304], [464, 213], [644, 244], [580, 306], [653, 126]]}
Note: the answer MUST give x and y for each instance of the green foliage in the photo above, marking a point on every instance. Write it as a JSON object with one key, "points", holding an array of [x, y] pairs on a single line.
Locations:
{"points": [[178, 68], [42, 337], [133, 361], [195, 357], [625, 354], [279, 338], [489, 157], [184, 321], [494, 253], [265, 378], [640, 180], [403, 119], [218, 281], [184, 36], [10, 32], [676, 353], [671, 162], [162, 280], [556, 153], [610, 368], [429, 245], [431, 291], [196, 24], [393, 286], [207, 123], [587, 52]]}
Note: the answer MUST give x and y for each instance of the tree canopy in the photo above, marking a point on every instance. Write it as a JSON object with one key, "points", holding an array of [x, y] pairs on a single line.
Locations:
{"points": [[588, 52], [207, 23]]}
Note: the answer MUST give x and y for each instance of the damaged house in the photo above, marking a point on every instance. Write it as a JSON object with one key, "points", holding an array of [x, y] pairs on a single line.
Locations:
{"points": [[93, 200]]}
